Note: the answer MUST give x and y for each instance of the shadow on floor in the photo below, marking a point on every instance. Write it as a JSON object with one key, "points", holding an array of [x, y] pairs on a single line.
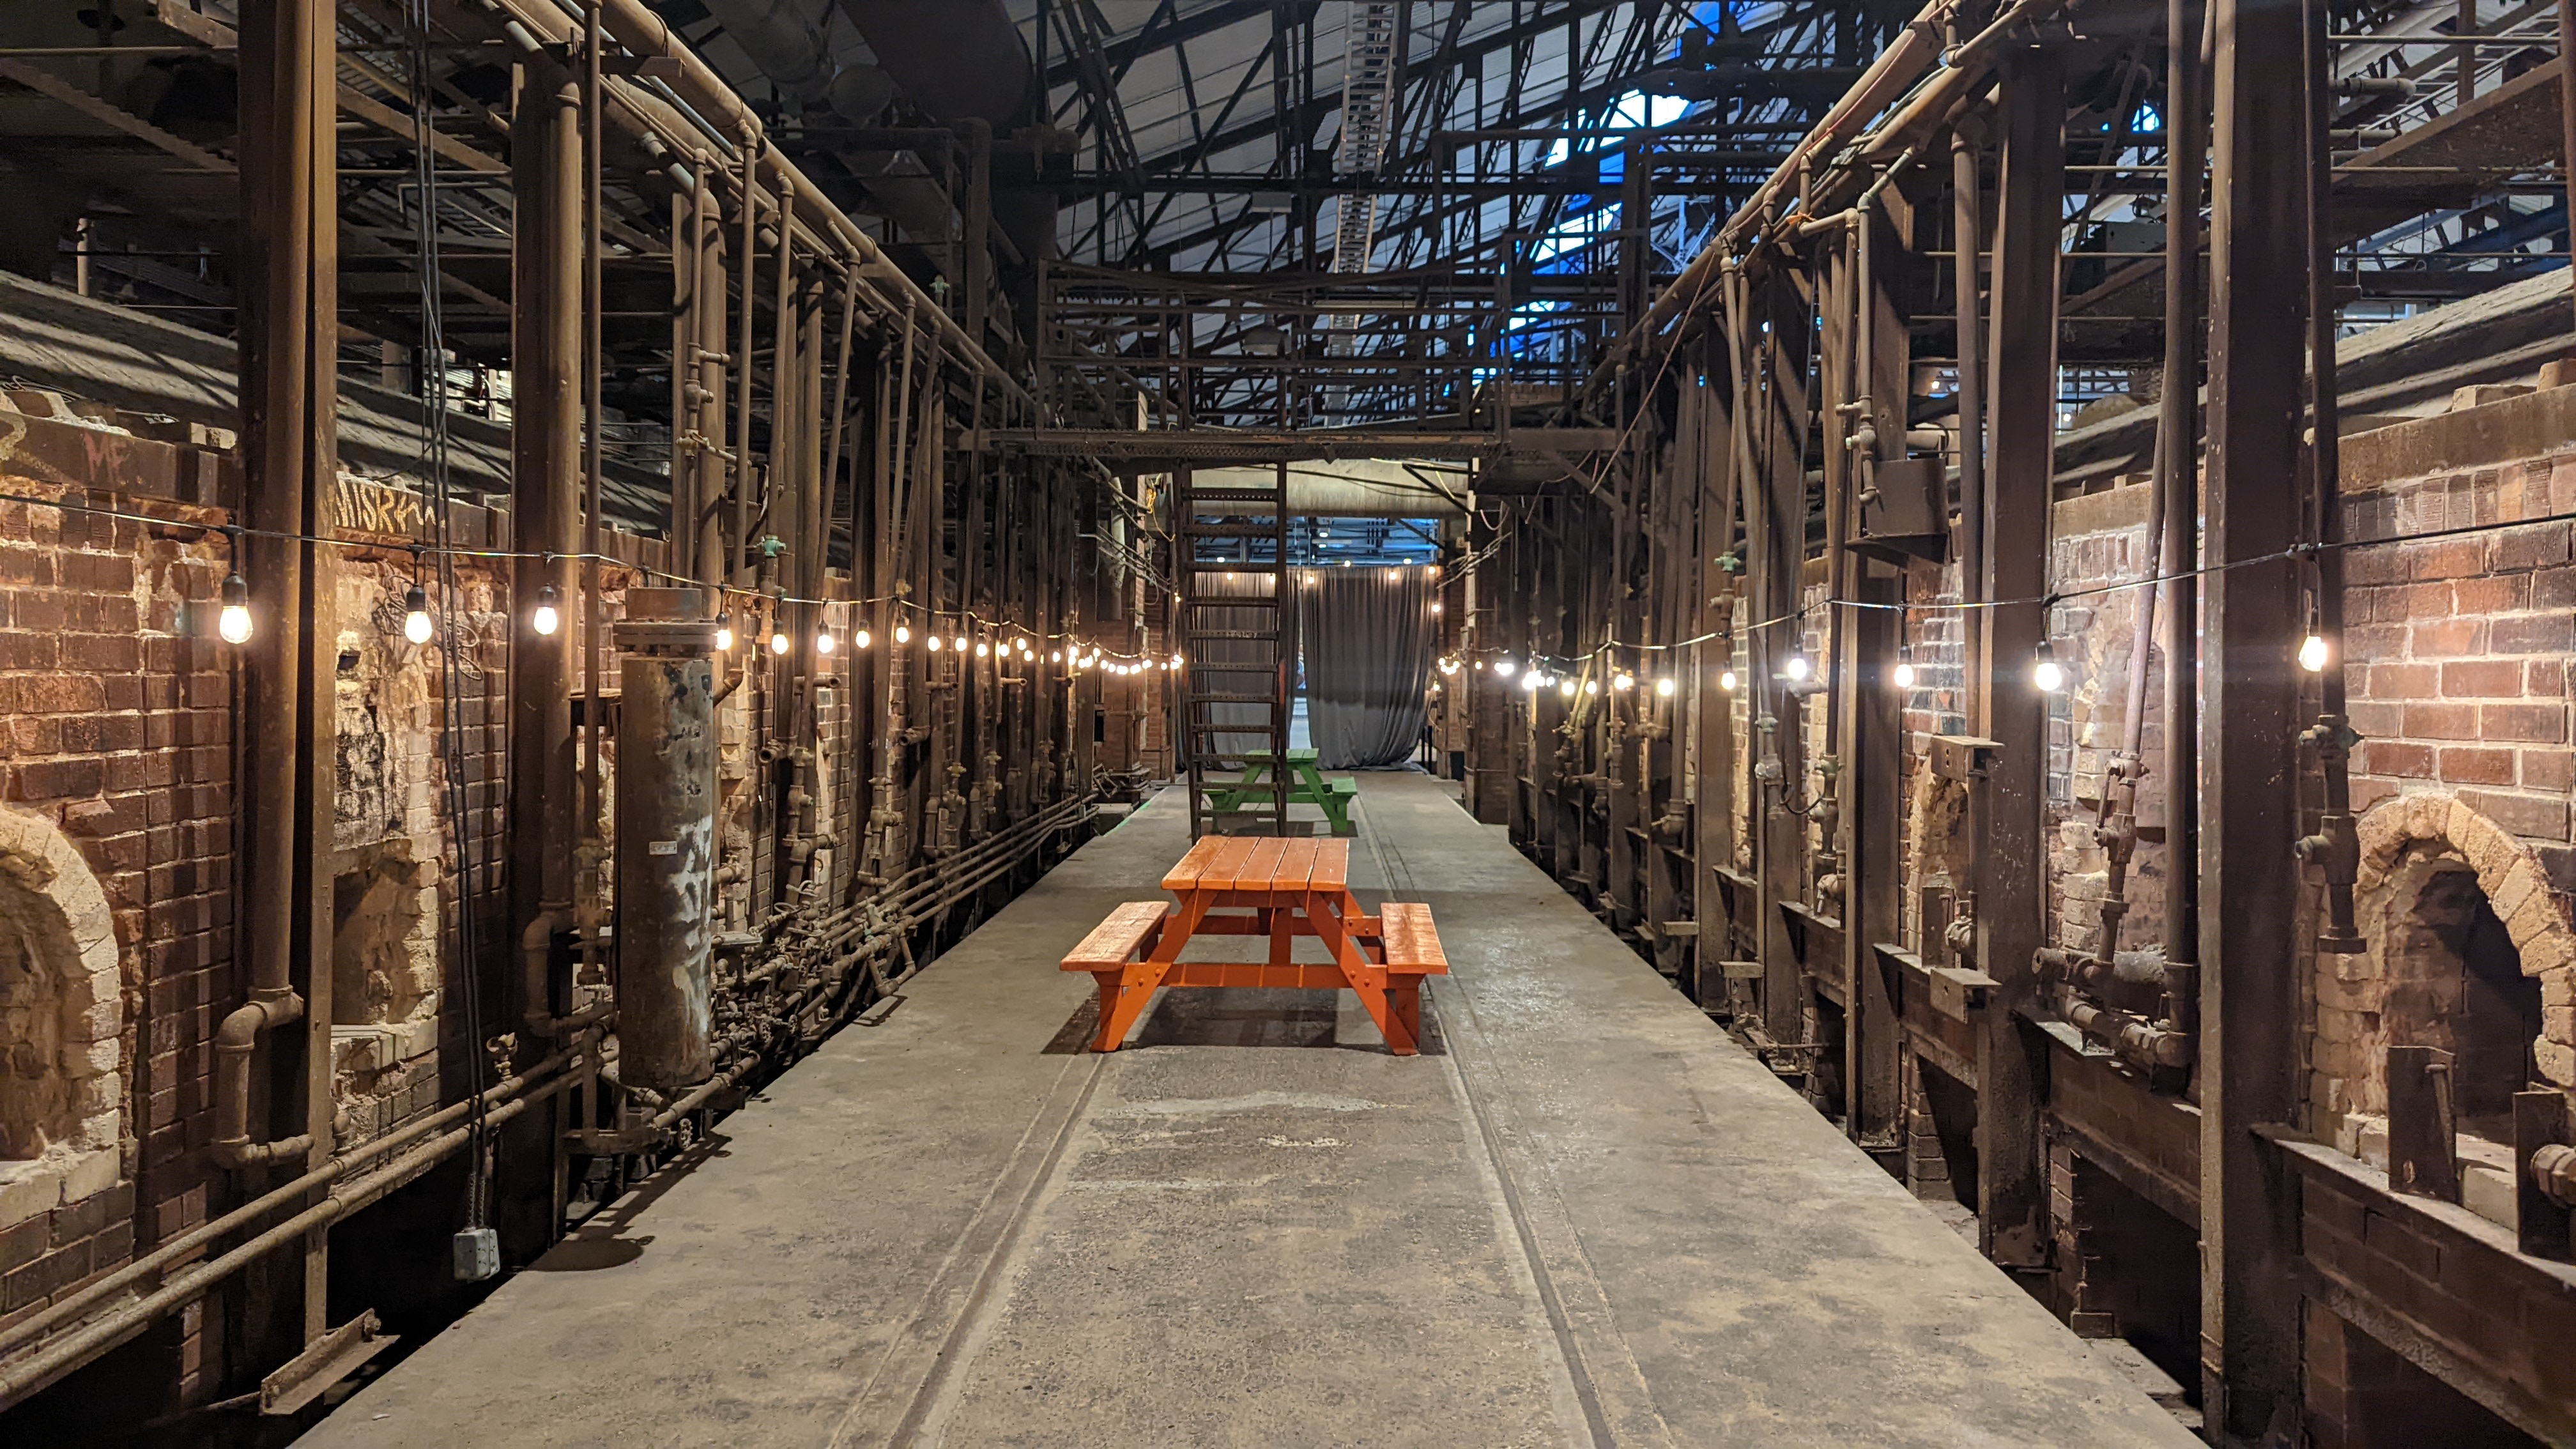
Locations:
{"points": [[1246, 1017]]}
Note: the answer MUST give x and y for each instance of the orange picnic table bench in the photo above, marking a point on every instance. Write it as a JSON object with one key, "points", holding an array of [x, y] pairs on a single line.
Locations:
{"points": [[1273, 887]]}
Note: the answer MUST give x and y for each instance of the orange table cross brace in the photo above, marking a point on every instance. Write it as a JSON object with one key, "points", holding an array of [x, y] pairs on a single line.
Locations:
{"points": [[1280, 889]]}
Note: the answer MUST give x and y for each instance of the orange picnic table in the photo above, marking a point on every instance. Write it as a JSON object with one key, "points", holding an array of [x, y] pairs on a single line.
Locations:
{"points": [[1273, 887]]}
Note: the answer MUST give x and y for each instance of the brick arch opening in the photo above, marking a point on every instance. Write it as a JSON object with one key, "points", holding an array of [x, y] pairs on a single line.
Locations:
{"points": [[61, 1024], [2466, 946]]}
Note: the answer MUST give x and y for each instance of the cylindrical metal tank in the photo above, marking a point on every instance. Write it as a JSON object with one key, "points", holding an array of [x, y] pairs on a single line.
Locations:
{"points": [[666, 839]]}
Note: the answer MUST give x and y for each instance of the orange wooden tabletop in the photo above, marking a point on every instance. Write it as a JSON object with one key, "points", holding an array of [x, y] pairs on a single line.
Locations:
{"points": [[1261, 863]]}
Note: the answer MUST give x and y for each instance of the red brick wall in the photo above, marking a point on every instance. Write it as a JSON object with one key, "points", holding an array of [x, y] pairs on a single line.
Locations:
{"points": [[117, 707], [2457, 650]]}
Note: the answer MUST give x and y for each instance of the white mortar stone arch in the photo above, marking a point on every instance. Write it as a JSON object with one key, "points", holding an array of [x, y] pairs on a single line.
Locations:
{"points": [[2400, 837], [66, 950]]}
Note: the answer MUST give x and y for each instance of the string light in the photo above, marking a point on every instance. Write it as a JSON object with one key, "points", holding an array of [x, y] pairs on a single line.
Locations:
{"points": [[547, 618], [1435, 606], [1727, 681], [724, 634], [1592, 686], [1623, 681], [903, 633], [983, 650], [416, 625], [1664, 687], [958, 643], [862, 639], [823, 642], [2313, 654], [1055, 656], [777, 643], [1504, 668], [1565, 687], [933, 644], [1902, 676], [1530, 681], [1797, 667], [1176, 661], [233, 624], [2045, 672]]}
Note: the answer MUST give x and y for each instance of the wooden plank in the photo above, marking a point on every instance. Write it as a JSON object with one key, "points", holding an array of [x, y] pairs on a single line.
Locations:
{"points": [[1412, 940], [1114, 942], [1185, 875], [1296, 865], [1332, 866], [1225, 867], [1260, 868]]}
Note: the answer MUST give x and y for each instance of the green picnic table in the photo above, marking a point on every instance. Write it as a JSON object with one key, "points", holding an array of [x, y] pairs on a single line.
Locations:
{"points": [[1307, 785]]}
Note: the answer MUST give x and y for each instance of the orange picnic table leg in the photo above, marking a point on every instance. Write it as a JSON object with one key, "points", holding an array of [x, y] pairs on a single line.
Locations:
{"points": [[1367, 980], [1124, 994]]}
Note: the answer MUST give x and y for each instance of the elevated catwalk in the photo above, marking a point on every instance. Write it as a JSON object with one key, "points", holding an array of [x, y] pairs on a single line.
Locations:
{"points": [[1583, 1217]]}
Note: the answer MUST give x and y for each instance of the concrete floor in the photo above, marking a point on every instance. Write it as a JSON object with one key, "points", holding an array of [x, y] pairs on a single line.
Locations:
{"points": [[1585, 1217]]}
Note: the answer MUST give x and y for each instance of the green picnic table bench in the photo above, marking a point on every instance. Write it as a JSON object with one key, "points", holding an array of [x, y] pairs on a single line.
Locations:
{"points": [[1307, 785]]}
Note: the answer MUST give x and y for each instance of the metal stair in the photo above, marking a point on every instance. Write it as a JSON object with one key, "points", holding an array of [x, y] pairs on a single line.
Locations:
{"points": [[1238, 647]]}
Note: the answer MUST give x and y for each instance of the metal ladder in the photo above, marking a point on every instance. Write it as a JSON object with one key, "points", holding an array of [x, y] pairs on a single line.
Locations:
{"points": [[1225, 661]]}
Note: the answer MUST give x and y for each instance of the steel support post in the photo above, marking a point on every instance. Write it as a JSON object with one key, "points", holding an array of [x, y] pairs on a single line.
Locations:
{"points": [[2012, 1185], [2249, 1054], [546, 347], [290, 412], [1777, 534], [1873, 714]]}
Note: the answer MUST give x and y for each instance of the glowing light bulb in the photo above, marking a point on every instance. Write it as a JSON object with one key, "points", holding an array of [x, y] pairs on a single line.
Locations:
{"points": [[1055, 656], [903, 633], [1504, 667], [1726, 681], [1565, 687], [1176, 661], [1623, 681], [862, 639], [1797, 667], [933, 644], [1435, 606], [2312, 654], [1903, 675], [1480, 664], [233, 624], [822, 643], [983, 650], [724, 635], [416, 625], [1592, 686], [777, 643], [958, 643], [2046, 673], [1531, 681], [546, 618], [1664, 687]]}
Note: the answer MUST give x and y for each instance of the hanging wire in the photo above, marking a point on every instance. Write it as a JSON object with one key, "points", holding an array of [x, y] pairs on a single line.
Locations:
{"points": [[430, 369]]}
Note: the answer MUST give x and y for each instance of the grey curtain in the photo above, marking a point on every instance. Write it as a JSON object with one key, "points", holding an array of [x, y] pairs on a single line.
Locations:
{"points": [[1367, 637]]}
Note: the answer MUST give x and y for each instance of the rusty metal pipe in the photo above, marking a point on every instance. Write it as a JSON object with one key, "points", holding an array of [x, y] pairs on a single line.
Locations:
{"points": [[22, 1377]]}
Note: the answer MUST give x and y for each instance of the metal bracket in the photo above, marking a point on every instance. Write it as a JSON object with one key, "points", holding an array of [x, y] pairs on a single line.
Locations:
{"points": [[324, 1362]]}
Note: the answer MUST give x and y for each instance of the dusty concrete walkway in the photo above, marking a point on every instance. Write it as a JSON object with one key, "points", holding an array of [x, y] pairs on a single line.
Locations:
{"points": [[1585, 1219]]}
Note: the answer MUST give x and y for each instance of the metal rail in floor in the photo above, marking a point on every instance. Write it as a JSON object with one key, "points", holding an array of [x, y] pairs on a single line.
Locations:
{"points": [[1583, 1217]]}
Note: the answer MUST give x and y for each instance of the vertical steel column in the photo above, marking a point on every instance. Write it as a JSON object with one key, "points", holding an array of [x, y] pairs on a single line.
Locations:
{"points": [[1873, 715], [2249, 1058], [1967, 241], [290, 397], [2012, 1184], [2186, 152], [1778, 535], [546, 456]]}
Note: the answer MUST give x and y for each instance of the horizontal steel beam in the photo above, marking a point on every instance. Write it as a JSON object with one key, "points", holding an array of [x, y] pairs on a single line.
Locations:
{"points": [[1223, 445]]}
